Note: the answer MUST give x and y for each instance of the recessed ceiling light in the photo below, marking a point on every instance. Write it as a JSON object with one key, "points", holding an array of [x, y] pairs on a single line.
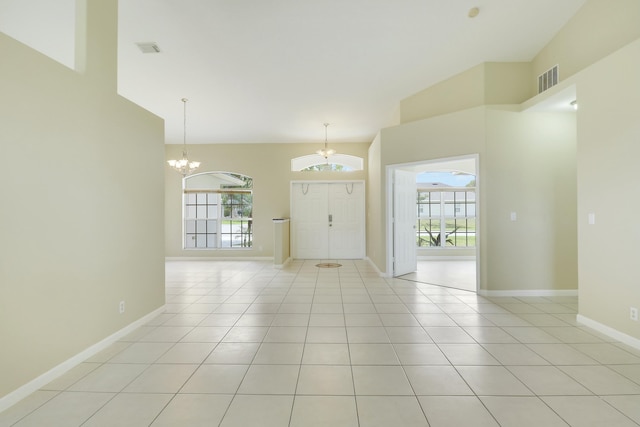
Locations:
{"points": [[148, 47], [473, 12]]}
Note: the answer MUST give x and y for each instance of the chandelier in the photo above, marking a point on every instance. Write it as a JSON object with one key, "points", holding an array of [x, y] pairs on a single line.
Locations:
{"points": [[326, 151], [184, 166]]}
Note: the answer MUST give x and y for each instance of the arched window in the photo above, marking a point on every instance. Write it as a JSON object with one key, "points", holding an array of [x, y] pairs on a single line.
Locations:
{"points": [[336, 162], [218, 211]]}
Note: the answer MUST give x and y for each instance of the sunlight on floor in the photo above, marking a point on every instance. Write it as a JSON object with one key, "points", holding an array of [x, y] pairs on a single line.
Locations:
{"points": [[449, 273]]}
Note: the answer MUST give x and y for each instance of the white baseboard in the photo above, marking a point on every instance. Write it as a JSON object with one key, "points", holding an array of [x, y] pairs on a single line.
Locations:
{"points": [[446, 258], [44, 379], [608, 331], [218, 258], [375, 267], [284, 264], [529, 293]]}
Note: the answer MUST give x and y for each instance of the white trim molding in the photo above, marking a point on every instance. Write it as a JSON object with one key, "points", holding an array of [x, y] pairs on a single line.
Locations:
{"points": [[355, 163], [375, 267], [218, 258], [529, 293], [284, 264], [59, 370], [609, 331]]}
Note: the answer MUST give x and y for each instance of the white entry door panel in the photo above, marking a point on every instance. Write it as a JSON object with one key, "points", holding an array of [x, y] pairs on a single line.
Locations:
{"points": [[309, 219], [404, 223], [346, 226], [327, 220]]}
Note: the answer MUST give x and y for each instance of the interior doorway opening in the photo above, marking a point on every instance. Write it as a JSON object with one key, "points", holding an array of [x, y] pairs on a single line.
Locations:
{"points": [[433, 222]]}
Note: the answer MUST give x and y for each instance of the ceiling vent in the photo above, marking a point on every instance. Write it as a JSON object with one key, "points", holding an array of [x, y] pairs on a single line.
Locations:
{"points": [[148, 47], [548, 79]]}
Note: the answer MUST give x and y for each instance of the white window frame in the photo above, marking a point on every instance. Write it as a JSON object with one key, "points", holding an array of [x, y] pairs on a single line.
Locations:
{"points": [[443, 217]]}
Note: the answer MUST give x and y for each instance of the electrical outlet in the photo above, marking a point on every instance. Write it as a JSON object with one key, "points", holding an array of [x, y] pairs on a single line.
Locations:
{"points": [[633, 313], [121, 307]]}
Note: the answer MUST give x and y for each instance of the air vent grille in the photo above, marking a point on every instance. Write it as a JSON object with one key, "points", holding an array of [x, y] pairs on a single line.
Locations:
{"points": [[548, 79], [148, 47]]}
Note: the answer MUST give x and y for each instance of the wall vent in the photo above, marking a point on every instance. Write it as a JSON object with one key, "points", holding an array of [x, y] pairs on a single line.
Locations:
{"points": [[148, 47], [548, 79]]}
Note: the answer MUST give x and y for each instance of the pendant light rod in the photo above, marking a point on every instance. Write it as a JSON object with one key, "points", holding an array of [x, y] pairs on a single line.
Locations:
{"points": [[184, 166], [184, 127], [326, 152]]}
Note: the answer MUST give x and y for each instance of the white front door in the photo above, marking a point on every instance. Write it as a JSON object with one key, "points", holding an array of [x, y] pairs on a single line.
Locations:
{"points": [[309, 220], [404, 222], [346, 220], [327, 220]]}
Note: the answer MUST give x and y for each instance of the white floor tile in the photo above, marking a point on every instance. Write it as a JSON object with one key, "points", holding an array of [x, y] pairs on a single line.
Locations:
{"points": [[325, 380], [456, 411], [587, 411], [326, 354], [161, 379], [321, 411], [279, 354], [522, 412], [129, 410], [436, 380], [220, 379], [384, 411], [242, 344], [27, 405], [233, 353], [110, 377], [381, 381], [194, 410], [601, 380], [270, 379], [263, 411], [66, 409], [141, 353], [548, 381], [628, 405], [373, 354], [493, 381], [420, 354], [187, 353]]}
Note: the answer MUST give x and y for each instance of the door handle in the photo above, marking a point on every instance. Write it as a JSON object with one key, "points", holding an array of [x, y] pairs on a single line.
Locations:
{"points": [[330, 220]]}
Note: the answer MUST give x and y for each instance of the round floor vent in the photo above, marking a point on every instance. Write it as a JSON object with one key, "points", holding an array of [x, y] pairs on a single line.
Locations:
{"points": [[329, 265]]}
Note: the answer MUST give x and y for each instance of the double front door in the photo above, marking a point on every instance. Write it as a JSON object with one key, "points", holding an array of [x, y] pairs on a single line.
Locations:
{"points": [[327, 220]]}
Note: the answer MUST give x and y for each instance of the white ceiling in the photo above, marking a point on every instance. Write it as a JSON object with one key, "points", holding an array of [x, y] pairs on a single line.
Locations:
{"points": [[276, 70]]}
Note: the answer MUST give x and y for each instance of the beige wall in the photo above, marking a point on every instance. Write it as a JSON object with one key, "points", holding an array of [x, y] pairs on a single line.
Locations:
{"points": [[529, 169], [488, 83], [375, 203], [599, 28], [82, 194], [527, 165], [449, 135], [608, 153], [270, 167]]}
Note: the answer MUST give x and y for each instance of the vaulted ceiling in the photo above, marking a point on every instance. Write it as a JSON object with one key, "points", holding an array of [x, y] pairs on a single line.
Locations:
{"points": [[276, 70]]}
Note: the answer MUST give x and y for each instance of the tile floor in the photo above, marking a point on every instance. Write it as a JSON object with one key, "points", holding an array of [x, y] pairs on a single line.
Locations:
{"points": [[449, 273], [244, 344]]}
